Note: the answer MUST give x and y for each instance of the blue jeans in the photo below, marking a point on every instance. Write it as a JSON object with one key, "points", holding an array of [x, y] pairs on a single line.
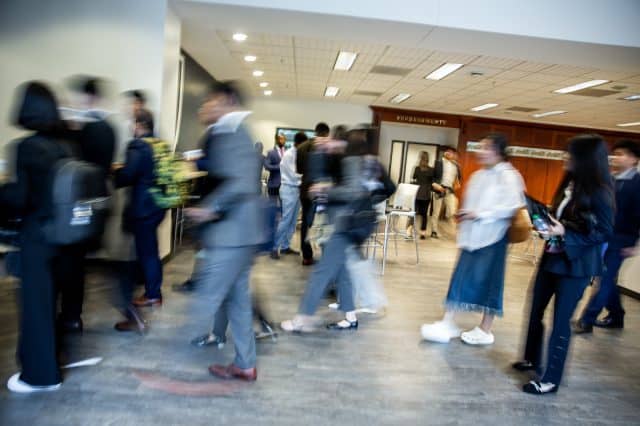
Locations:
{"points": [[608, 294], [290, 198]]}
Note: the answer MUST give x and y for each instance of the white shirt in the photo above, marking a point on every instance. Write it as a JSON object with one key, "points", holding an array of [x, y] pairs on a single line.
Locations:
{"points": [[494, 195], [288, 175], [449, 173]]}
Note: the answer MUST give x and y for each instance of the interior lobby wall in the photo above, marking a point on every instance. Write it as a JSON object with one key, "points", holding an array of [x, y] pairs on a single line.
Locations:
{"points": [[134, 45], [268, 114]]}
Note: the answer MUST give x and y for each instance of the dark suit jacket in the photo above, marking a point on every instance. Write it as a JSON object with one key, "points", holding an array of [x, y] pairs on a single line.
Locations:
{"points": [[585, 233], [302, 159], [272, 164], [138, 173], [627, 221], [438, 170]]}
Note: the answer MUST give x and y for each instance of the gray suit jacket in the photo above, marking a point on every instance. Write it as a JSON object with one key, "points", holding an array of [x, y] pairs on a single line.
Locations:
{"points": [[233, 161]]}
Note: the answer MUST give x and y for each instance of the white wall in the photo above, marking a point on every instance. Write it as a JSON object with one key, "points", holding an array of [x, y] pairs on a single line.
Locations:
{"points": [[268, 114], [121, 40], [413, 133]]}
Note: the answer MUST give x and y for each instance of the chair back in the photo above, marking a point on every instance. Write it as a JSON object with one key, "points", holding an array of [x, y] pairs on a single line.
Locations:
{"points": [[405, 197]]}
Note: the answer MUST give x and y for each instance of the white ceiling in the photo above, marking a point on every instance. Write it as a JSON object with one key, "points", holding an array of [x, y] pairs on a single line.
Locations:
{"points": [[297, 52]]}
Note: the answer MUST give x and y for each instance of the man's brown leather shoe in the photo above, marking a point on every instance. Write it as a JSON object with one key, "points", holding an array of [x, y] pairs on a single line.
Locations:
{"points": [[143, 301], [232, 372]]}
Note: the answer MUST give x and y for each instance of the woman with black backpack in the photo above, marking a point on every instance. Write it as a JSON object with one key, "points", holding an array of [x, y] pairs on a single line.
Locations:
{"points": [[30, 197]]}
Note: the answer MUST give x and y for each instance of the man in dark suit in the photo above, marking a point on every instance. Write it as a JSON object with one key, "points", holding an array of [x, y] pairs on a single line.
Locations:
{"points": [[142, 215], [272, 164], [231, 227], [622, 243], [302, 166], [94, 142]]}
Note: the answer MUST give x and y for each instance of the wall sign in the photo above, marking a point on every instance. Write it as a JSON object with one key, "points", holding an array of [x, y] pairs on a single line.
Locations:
{"points": [[523, 151], [402, 118]]}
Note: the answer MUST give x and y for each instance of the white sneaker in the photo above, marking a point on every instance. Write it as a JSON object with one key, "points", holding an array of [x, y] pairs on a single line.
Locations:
{"points": [[16, 385], [477, 336], [439, 332]]}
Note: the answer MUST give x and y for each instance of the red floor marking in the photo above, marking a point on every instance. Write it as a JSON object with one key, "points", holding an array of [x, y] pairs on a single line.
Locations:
{"points": [[214, 387]]}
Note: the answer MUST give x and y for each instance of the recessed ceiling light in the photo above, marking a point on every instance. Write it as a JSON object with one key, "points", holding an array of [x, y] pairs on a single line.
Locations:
{"points": [[264, 84], [632, 98], [345, 61], [546, 114], [400, 97], [443, 71], [635, 123], [239, 37], [250, 58], [483, 107], [581, 86], [268, 92], [331, 91], [258, 73]]}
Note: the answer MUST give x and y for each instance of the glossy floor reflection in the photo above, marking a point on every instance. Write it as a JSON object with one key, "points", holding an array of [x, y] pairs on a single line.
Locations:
{"points": [[380, 374]]}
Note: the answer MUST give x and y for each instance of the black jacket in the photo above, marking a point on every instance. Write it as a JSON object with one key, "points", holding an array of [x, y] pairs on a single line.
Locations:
{"points": [[585, 234], [30, 196], [627, 222]]}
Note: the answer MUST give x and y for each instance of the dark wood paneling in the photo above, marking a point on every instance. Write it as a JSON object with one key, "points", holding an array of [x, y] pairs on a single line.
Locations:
{"points": [[541, 176]]}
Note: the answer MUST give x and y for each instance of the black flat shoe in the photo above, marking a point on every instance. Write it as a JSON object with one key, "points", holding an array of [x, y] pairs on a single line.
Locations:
{"points": [[70, 326], [523, 366], [434, 235], [185, 287], [580, 327], [609, 322], [209, 339], [538, 388], [343, 325]]}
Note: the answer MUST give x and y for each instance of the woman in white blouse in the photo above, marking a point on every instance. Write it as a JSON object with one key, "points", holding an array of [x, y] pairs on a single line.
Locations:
{"points": [[492, 197]]}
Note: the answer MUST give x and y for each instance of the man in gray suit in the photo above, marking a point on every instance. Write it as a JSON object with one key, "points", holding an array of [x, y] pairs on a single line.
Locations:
{"points": [[231, 226]]}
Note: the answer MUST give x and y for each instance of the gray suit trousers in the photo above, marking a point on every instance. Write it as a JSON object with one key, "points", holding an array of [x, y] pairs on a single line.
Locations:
{"points": [[223, 287]]}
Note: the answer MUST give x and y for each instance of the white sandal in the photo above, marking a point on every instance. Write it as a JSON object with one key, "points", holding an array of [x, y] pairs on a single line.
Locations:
{"points": [[297, 325]]}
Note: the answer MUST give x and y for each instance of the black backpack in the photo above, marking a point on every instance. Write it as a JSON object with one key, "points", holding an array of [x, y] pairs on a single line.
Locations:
{"points": [[80, 203]]}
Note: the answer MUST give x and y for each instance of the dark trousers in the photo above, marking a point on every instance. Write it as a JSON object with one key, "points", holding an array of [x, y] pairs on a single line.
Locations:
{"points": [[69, 277], [307, 221], [37, 343], [607, 294], [145, 233], [422, 208], [567, 292]]}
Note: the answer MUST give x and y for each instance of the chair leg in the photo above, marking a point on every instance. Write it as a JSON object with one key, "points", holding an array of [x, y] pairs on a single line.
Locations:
{"points": [[395, 233], [384, 246], [415, 241]]}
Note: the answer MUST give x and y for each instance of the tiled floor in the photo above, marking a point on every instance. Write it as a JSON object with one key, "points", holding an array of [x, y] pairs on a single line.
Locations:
{"points": [[380, 374]]}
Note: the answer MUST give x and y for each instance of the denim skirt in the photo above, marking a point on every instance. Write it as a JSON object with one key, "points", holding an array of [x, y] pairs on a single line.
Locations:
{"points": [[477, 283]]}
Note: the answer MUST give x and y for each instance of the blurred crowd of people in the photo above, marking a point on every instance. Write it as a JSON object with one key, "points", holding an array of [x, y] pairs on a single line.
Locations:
{"points": [[334, 183]]}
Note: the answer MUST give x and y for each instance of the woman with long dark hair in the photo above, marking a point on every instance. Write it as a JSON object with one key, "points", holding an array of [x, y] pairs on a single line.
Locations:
{"points": [[30, 198], [423, 176], [581, 222]]}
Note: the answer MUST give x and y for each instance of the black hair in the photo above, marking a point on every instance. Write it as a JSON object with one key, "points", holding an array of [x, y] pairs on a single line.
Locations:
{"points": [[92, 86], [229, 89], [144, 117], [339, 132], [38, 109], [322, 129], [589, 172], [299, 138], [499, 142], [450, 148], [628, 145], [136, 95]]}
